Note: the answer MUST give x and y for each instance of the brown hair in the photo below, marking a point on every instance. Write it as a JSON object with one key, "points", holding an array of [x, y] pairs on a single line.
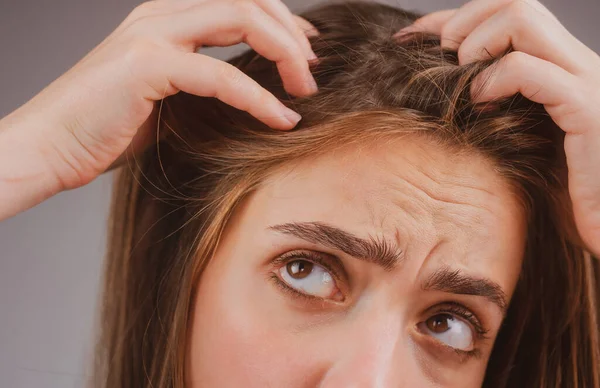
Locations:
{"points": [[171, 204]]}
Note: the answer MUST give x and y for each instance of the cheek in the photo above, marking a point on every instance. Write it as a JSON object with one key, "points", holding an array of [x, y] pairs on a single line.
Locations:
{"points": [[234, 342]]}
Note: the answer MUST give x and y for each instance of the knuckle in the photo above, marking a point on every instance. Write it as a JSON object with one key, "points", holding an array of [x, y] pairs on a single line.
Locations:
{"points": [[139, 52], [143, 9], [450, 32], [507, 3], [595, 91], [519, 11], [144, 16], [258, 95], [243, 5], [144, 26], [462, 53], [447, 29], [251, 98], [230, 74], [246, 9], [584, 90], [516, 59]]}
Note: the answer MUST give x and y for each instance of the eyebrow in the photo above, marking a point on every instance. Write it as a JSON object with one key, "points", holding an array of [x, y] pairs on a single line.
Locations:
{"points": [[376, 250], [456, 282], [379, 251]]}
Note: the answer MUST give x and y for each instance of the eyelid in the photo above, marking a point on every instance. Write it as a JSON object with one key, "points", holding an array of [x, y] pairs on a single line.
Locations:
{"points": [[464, 355], [463, 313], [292, 291], [466, 315], [330, 262]]}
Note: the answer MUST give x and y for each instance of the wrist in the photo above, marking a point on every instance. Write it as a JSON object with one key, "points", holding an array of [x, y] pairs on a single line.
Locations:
{"points": [[26, 176]]}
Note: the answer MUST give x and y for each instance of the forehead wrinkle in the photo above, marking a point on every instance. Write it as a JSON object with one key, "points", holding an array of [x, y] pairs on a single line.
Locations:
{"points": [[437, 196], [461, 201], [441, 198], [448, 174]]}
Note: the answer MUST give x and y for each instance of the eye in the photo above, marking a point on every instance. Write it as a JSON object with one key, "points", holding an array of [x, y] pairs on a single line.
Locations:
{"points": [[450, 330], [311, 279]]}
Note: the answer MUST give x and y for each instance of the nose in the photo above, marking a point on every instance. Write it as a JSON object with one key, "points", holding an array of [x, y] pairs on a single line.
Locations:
{"points": [[373, 353]]}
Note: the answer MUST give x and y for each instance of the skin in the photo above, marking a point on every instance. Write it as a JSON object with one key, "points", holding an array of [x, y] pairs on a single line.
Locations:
{"points": [[82, 123], [440, 209], [65, 136], [549, 66], [69, 133]]}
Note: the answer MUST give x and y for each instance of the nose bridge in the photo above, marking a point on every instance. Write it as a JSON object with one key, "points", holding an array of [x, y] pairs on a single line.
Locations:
{"points": [[371, 351]]}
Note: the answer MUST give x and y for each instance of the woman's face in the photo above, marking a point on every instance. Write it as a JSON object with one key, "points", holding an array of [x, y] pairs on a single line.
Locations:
{"points": [[385, 266]]}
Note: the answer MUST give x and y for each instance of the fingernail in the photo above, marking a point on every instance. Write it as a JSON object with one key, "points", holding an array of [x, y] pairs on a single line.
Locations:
{"points": [[291, 116], [405, 30], [311, 32], [310, 54]]}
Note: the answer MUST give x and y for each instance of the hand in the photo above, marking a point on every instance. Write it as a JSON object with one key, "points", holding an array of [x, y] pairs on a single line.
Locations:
{"points": [[79, 125], [549, 66]]}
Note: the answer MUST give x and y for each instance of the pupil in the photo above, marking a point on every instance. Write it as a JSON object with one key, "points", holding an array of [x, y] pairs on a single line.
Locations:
{"points": [[439, 323], [299, 269]]}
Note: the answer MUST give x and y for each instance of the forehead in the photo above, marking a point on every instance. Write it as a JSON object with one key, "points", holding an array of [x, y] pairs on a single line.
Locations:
{"points": [[408, 190]]}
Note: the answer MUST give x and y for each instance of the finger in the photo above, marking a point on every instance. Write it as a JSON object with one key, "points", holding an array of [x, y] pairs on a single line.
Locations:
{"points": [[278, 11], [523, 27], [209, 77], [225, 24], [307, 27], [432, 22], [538, 80], [157, 7], [466, 19]]}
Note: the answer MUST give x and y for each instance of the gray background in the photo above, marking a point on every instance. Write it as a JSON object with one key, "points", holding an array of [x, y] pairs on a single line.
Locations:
{"points": [[51, 255]]}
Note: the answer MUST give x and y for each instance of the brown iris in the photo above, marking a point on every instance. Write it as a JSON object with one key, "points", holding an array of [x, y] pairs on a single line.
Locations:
{"points": [[299, 269], [439, 323]]}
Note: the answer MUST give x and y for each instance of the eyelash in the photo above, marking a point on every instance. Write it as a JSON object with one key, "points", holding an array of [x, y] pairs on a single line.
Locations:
{"points": [[313, 257], [292, 291], [460, 311], [451, 308]]}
